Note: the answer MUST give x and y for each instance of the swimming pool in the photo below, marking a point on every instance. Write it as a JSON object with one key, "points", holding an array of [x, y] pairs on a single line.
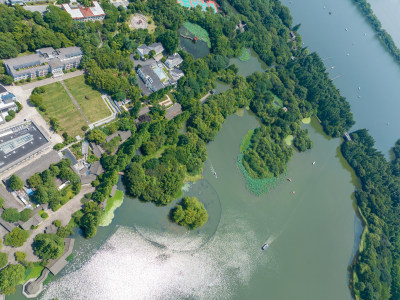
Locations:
{"points": [[160, 73]]}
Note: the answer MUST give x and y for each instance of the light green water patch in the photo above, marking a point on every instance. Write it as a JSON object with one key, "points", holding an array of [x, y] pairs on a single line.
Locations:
{"points": [[112, 204], [240, 112], [255, 185], [244, 55], [246, 140], [198, 32], [277, 102], [306, 120], [289, 140]]}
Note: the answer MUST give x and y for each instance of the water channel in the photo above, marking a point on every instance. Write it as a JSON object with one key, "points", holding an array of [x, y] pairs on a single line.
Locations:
{"points": [[313, 233]]}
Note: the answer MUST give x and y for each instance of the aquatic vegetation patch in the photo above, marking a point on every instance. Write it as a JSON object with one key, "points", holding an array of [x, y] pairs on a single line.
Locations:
{"points": [[289, 140], [244, 55], [306, 120], [246, 140], [112, 204], [198, 32], [257, 186]]}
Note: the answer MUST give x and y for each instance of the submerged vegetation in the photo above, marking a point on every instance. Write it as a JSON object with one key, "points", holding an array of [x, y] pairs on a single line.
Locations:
{"points": [[198, 32]]}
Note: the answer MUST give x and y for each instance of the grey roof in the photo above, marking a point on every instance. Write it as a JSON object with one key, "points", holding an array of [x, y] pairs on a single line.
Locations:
{"points": [[68, 154], [96, 168], [8, 226], [124, 135], [173, 60], [33, 221], [87, 179], [176, 74], [143, 49], [148, 71], [173, 111], [39, 165], [69, 53], [10, 200], [157, 47], [2, 89], [55, 266], [96, 150], [55, 63]]}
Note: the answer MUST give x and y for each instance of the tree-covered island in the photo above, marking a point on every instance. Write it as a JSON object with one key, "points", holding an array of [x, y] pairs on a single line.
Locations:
{"points": [[190, 212]]}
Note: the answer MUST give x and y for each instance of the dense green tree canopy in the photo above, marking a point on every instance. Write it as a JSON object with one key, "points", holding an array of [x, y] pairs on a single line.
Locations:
{"points": [[10, 215], [16, 183], [189, 213], [11, 276], [16, 238], [48, 246]]}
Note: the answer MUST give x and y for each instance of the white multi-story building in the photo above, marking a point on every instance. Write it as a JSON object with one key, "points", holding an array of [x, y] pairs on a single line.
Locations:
{"points": [[7, 103], [84, 14], [44, 61]]}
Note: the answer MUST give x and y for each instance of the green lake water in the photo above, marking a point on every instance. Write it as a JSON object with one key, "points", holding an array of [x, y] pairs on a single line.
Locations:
{"points": [[313, 233]]}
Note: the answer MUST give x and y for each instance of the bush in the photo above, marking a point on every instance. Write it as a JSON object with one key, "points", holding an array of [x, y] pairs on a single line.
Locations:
{"points": [[26, 214], [10, 215], [11, 113], [3, 259], [19, 105], [8, 118], [16, 238], [43, 214], [58, 146], [84, 127], [20, 256], [1, 202], [57, 223]]}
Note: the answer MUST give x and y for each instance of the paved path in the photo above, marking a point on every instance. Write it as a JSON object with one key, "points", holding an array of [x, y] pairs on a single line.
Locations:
{"points": [[205, 97], [74, 101], [63, 214], [47, 81]]}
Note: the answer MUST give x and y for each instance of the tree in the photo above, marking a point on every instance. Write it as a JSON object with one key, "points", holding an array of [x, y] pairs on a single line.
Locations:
{"points": [[10, 215], [135, 179], [96, 136], [3, 259], [2, 202], [48, 246], [35, 180], [11, 276], [5, 79], [189, 213], [16, 183], [41, 195], [26, 214], [16, 238], [170, 40]]}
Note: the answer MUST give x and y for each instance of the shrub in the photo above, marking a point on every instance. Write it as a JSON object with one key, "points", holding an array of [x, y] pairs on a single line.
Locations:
{"points": [[58, 146], [1, 202], [84, 127], [57, 223], [43, 214], [20, 256], [3, 259], [16, 183]]}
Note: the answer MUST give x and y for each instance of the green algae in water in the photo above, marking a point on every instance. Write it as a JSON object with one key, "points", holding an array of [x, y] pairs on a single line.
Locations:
{"points": [[306, 120], [256, 186], [198, 32], [112, 204], [244, 55]]}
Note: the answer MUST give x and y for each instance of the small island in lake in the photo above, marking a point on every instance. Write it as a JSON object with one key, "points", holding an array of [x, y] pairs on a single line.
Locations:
{"points": [[189, 213]]}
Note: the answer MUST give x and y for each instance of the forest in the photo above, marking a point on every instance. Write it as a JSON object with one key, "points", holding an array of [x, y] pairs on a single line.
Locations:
{"points": [[376, 267]]}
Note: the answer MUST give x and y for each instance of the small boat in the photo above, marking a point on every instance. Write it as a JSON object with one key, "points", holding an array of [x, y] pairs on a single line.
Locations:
{"points": [[314, 162], [292, 192], [359, 88], [265, 246], [347, 29], [348, 54], [289, 179]]}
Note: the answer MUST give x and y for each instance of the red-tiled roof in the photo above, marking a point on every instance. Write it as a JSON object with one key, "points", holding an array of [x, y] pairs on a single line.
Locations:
{"points": [[86, 12]]}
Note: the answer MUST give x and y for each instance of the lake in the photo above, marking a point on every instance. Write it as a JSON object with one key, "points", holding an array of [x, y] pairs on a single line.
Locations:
{"points": [[313, 234]]}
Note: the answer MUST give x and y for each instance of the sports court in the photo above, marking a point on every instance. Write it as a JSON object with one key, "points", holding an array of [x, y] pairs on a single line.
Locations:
{"points": [[203, 4]]}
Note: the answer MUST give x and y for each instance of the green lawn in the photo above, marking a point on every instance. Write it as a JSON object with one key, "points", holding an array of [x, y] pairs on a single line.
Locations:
{"points": [[59, 105], [94, 108], [33, 273]]}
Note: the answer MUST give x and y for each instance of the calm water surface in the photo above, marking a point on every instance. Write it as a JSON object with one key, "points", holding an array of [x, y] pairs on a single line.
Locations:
{"points": [[313, 233]]}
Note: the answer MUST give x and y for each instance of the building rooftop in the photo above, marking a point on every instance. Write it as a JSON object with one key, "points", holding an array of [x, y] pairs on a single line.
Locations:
{"points": [[173, 111], [2, 89], [96, 168], [55, 266], [20, 141], [84, 12], [173, 60], [33, 221]]}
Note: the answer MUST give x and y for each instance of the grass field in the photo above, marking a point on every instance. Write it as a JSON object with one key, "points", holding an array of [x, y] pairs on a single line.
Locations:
{"points": [[59, 105], [94, 108]]}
